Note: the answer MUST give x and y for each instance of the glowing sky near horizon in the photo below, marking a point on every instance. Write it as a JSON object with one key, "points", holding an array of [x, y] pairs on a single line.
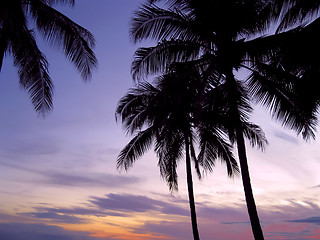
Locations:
{"points": [[58, 174]]}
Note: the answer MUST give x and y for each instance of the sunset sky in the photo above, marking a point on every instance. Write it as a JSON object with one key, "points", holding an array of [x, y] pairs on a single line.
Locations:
{"points": [[59, 178]]}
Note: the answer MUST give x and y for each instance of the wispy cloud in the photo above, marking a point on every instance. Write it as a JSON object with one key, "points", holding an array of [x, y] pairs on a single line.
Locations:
{"points": [[241, 223], [89, 180], [221, 222], [237, 214], [284, 136], [70, 215], [293, 233], [137, 203], [210, 224], [74, 179], [18, 147], [315, 220], [174, 230], [17, 231], [121, 205], [55, 217]]}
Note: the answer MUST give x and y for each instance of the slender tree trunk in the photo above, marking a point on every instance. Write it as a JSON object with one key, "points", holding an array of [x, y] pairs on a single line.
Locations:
{"points": [[251, 205], [191, 195]]}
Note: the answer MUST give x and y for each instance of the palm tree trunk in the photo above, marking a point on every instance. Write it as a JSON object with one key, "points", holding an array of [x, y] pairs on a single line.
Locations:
{"points": [[191, 195], [251, 206]]}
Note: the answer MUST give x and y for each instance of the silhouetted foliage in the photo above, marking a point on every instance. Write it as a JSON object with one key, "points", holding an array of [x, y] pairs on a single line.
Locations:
{"points": [[286, 83], [172, 115], [221, 37], [18, 41], [212, 34]]}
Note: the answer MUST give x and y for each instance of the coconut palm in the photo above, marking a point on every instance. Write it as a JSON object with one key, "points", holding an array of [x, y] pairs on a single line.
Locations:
{"points": [[169, 115], [17, 39], [194, 30], [190, 30]]}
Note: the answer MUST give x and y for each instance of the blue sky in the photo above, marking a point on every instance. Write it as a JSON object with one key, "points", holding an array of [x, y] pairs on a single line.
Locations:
{"points": [[59, 177]]}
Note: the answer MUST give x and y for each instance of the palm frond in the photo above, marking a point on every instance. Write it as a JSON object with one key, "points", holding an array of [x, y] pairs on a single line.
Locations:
{"points": [[213, 146], [76, 41], [293, 12], [194, 158], [136, 108], [172, 3], [238, 100], [52, 2], [255, 135], [169, 149], [33, 70], [153, 60], [152, 22], [140, 143], [279, 92], [12, 20], [3, 44]]}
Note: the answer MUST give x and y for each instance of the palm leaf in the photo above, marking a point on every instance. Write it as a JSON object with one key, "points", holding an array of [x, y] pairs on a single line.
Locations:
{"points": [[33, 70], [75, 40], [169, 149], [255, 135], [293, 12], [194, 158], [140, 143], [3, 45], [52, 2], [284, 99], [213, 146], [153, 60], [135, 108], [152, 22], [172, 3]]}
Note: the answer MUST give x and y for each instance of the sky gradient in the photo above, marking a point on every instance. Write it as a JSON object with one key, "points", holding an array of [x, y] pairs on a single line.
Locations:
{"points": [[59, 178]]}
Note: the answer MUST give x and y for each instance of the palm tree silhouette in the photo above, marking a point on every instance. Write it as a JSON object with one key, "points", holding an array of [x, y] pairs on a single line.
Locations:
{"points": [[18, 40], [169, 115], [193, 30]]}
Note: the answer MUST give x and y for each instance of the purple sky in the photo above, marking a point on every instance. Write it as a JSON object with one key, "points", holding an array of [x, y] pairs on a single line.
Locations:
{"points": [[58, 174]]}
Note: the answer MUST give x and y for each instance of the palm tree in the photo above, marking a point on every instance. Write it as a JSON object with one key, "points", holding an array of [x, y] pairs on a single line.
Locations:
{"points": [[18, 40], [194, 30], [169, 115], [287, 82]]}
